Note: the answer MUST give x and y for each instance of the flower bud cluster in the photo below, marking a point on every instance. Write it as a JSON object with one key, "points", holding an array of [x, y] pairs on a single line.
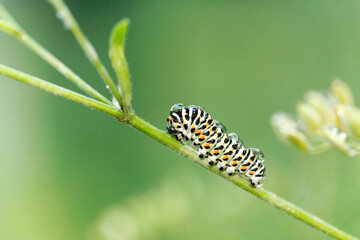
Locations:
{"points": [[323, 120]]}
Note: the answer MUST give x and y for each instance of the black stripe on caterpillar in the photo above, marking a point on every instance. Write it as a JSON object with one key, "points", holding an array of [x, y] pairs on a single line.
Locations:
{"points": [[194, 124]]}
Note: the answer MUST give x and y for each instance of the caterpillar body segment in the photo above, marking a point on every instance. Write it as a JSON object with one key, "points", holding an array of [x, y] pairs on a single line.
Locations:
{"points": [[237, 159], [194, 124], [229, 152]]}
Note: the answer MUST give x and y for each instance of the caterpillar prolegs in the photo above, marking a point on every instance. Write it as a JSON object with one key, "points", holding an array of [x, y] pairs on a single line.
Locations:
{"points": [[193, 124]]}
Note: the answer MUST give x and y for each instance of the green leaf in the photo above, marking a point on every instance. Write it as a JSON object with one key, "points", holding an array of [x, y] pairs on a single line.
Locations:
{"points": [[118, 60]]}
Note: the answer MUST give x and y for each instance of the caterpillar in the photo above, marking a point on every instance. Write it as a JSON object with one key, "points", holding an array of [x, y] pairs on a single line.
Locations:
{"points": [[194, 124]]}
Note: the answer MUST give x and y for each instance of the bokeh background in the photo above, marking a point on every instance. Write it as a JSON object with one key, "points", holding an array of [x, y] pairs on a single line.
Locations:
{"points": [[64, 167]]}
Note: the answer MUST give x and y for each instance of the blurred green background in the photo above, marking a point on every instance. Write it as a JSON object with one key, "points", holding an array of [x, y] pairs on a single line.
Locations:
{"points": [[62, 165]]}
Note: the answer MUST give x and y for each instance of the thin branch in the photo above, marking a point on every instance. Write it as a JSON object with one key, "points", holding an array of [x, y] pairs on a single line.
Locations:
{"points": [[59, 91], [9, 26], [261, 193], [158, 135], [5, 15], [64, 14], [185, 150]]}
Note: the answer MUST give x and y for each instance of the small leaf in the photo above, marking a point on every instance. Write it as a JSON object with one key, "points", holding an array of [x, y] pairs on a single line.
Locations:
{"points": [[118, 60]]}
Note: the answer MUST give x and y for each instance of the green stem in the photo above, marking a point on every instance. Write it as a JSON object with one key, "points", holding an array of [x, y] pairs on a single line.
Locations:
{"points": [[164, 138], [261, 193], [10, 27], [5, 15], [59, 91], [64, 14]]}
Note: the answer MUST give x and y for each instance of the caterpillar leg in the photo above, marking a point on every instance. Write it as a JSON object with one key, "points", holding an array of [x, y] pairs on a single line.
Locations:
{"points": [[231, 170], [257, 180], [256, 172]]}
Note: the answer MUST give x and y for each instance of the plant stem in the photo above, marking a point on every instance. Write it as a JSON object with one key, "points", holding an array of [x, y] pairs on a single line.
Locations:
{"points": [[5, 15], [164, 138], [59, 91], [10, 27], [267, 196], [64, 14]]}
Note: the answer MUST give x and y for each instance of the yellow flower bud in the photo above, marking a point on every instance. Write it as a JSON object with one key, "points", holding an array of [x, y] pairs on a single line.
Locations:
{"points": [[323, 104], [298, 139], [350, 118], [286, 129], [342, 92], [310, 118], [338, 139], [282, 123]]}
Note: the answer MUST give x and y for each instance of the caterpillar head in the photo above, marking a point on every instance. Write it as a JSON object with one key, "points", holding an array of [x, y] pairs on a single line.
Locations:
{"points": [[258, 154], [176, 108], [233, 137]]}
